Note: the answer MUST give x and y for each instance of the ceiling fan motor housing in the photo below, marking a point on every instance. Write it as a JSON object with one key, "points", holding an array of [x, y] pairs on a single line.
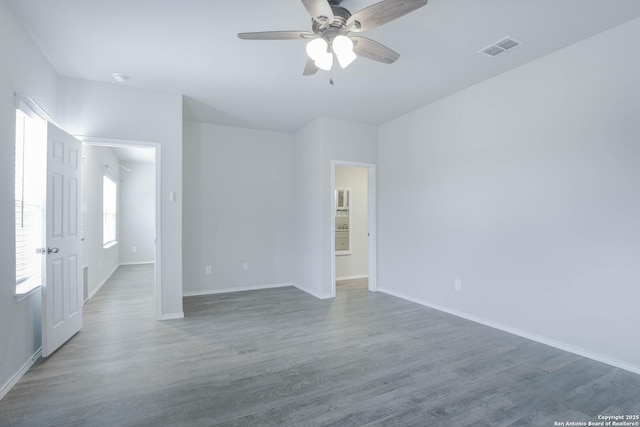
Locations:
{"points": [[337, 27]]}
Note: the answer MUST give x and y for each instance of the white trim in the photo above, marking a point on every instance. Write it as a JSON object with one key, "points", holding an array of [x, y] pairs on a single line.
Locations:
{"points": [[373, 227], [109, 244], [25, 100], [158, 236], [22, 295], [371, 212], [172, 316], [315, 294], [109, 142], [353, 277], [114, 142], [18, 375], [137, 263], [519, 332], [97, 288], [236, 289]]}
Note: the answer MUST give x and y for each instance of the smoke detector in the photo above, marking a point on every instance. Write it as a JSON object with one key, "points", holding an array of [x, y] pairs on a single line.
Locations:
{"points": [[120, 77]]}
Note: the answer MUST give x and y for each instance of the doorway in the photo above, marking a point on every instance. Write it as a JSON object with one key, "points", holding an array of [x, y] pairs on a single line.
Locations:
{"points": [[135, 167], [353, 224]]}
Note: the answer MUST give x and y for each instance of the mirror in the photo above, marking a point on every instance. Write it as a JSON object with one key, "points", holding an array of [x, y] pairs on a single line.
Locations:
{"points": [[343, 221]]}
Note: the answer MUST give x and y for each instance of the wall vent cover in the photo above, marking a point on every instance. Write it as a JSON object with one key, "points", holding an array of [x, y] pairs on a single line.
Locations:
{"points": [[501, 46]]}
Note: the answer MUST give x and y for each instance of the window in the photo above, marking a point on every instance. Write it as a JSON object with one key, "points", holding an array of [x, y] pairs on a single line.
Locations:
{"points": [[30, 189], [109, 210]]}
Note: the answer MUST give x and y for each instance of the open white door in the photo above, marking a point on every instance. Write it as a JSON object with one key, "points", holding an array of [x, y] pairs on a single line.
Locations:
{"points": [[62, 291]]}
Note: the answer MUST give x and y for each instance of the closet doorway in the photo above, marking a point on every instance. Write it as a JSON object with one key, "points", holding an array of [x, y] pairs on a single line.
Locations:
{"points": [[353, 223]]}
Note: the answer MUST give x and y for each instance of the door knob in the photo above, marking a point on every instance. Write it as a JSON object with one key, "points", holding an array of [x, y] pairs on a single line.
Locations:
{"points": [[44, 251]]}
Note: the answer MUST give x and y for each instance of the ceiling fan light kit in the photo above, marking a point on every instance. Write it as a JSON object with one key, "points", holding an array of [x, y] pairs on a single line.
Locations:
{"points": [[330, 32], [324, 61], [343, 48], [321, 53], [318, 51]]}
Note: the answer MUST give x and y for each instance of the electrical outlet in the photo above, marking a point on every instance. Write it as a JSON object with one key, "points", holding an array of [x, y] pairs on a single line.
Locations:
{"points": [[207, 270], [245, 266], [458, 285], [134, 249]]}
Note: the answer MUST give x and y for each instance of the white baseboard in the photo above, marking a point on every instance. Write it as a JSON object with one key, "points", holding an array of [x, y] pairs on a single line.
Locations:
{"points": [[353, 277], [524, 334], [172, 316], [18, 375], [137, 263], [313, 293], [236, 289], [97, 288]]}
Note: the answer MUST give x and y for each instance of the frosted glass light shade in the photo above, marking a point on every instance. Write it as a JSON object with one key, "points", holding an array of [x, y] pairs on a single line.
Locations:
{"points": [[316, 48], [325, 61], [343, 47]]}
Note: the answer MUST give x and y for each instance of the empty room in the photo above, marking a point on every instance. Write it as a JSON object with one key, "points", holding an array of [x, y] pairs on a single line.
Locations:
{"points": [[319, 213]]}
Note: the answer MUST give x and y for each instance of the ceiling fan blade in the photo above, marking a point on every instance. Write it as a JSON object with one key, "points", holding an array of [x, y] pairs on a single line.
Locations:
{"points": [[320, 11], [381, 13], [310, 67], [371, 49], [277, 35]]}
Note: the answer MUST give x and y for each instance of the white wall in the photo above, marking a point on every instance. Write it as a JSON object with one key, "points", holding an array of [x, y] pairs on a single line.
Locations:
{"points": [[117, 111], [25, 70], [525, 187], [307, 210], [101, 261], [316, 145], [137, 212], [344, 141], [238, 208], [357, 263]]}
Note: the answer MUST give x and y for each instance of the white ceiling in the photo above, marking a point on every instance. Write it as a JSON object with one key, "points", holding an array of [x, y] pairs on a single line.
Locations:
{"points": [[135, 154], [191, 47]]}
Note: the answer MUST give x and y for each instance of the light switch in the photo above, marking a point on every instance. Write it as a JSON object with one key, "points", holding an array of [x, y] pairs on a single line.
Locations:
{"points": [[172, 196]]}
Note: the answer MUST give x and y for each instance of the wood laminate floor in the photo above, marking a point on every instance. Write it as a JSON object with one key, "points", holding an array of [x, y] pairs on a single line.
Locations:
{"points": [[280, 357]]}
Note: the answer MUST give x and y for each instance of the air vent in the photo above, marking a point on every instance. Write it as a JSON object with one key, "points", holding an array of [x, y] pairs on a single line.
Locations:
{"points": [[501, 46]]}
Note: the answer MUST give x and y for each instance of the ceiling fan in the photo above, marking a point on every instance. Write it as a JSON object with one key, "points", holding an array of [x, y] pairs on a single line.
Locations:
{"points": [[331, 30]]}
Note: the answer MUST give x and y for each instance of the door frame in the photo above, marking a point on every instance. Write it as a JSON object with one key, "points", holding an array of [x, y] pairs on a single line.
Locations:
{"points": [[371, 213], [108, 142]]}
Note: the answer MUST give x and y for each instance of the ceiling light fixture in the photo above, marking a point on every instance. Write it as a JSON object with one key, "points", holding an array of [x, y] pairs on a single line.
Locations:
{"points": [[318, 50], [325, 61], [120, 77], [322, 54], [343, 47]]}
